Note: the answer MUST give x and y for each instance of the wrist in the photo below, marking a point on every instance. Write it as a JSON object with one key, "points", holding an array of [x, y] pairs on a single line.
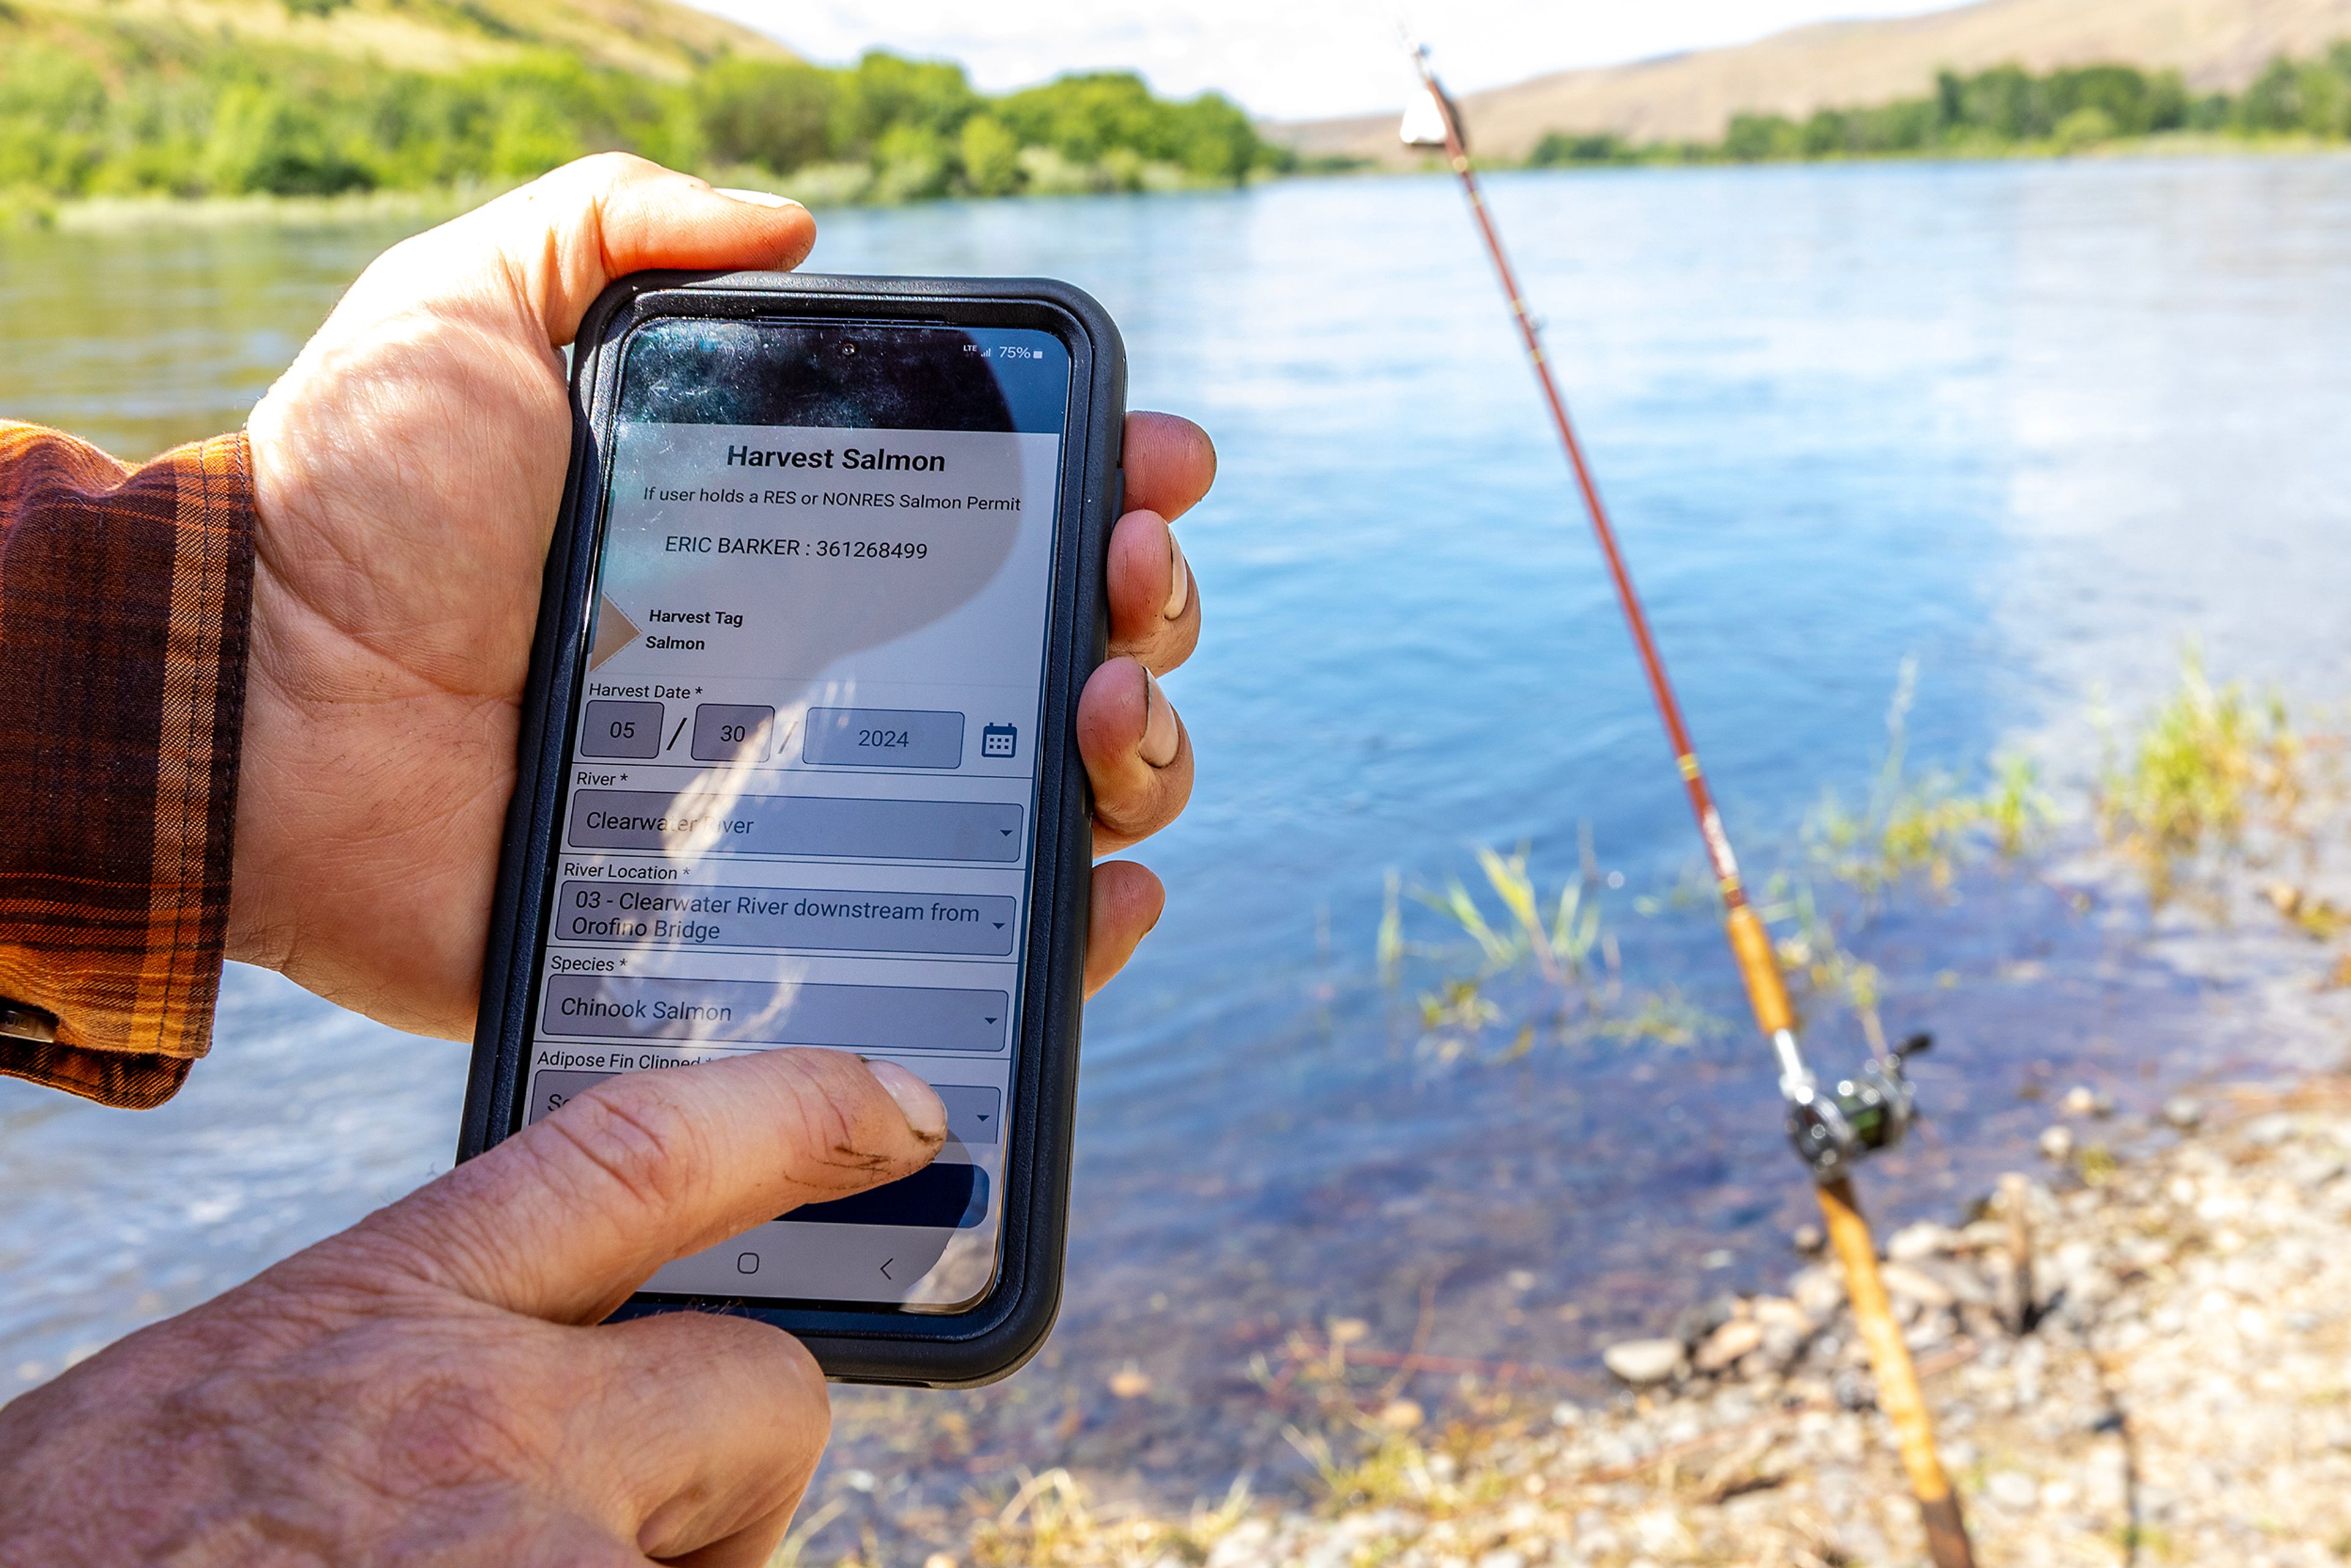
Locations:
{"points": [[126, 621]]}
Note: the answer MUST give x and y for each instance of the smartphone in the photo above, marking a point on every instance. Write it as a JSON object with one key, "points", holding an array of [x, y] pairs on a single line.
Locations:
{"points": [[798, 767]]}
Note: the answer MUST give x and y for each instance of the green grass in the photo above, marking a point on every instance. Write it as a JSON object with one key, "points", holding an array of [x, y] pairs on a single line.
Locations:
{"points": [[2209, 763], [1052, 1521], [2212, 773], [1558, 940], [1925, 825]]}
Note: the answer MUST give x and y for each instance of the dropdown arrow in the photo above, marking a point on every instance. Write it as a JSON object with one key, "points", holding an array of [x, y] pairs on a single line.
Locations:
{"points": [[991, 1021]]}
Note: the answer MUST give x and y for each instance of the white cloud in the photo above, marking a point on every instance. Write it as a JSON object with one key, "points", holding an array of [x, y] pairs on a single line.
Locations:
{"points": [[1287, 58]]}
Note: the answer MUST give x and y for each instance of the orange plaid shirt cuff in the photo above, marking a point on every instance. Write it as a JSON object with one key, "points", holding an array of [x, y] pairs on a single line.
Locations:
{"points": [[125, 595]]}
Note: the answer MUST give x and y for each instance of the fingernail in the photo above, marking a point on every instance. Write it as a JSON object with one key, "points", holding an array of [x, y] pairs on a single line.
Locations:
{"points": [[918, 1100], [1159, 732], [757, 198], [1179, 589]]}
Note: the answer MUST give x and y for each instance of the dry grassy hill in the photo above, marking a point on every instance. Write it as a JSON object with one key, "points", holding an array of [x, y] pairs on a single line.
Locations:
{"points": [[653, 38], [2218, 44]]}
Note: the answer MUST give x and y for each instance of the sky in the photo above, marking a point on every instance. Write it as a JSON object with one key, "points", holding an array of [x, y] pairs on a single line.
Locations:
{"points": [[1285, 59]]}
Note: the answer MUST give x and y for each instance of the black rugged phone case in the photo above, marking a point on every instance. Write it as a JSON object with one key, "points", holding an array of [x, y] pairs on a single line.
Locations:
{"points": [[854, 1345]]}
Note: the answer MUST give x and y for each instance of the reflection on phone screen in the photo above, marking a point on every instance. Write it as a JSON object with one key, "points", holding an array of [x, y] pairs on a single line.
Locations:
{"points": [[804, 767]]}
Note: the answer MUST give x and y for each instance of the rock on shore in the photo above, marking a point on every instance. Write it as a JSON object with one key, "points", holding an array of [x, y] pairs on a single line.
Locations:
{"points": [[2182, 1394]]}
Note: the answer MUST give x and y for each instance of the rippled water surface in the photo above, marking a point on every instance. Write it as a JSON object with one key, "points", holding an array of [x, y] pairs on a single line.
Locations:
{"points": [[2032, 424]]}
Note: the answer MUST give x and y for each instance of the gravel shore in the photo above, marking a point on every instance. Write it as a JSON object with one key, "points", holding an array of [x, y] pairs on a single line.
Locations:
{"points": [[2166, 1379]]}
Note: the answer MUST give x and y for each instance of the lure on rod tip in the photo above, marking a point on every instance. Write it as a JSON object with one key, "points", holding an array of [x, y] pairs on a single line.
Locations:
{"points": [[1832, 1128]]}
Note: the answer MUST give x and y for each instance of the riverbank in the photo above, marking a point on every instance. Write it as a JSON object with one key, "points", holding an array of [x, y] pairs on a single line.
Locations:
{"points": [[837, 186], [2178, 1389], [820, 187], [107, 215], [1573, 153]]}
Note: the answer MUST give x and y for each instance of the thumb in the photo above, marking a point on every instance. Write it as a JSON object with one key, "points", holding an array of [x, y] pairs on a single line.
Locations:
{"points": [[564, 1220], [546, 249]]}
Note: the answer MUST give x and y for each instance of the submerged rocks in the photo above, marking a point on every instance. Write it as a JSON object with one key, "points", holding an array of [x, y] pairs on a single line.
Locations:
{"points": [[2084, 1101], [1642, 1362], [1727, 1345]]}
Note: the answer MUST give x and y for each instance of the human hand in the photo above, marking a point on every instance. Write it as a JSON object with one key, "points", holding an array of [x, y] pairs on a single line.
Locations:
{"points": [[409, 466], [423, 1388]]}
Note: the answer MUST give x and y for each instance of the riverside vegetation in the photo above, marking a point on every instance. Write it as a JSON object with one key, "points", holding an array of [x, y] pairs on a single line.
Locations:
{"points": [[2214, 780], [94, 103], [100, 103], [2135, 1354], [2010, 111]]}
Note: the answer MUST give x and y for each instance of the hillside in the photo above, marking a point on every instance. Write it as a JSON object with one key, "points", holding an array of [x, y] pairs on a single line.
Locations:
{"points": [[2218, 45], [172, 100], [647, 37]]}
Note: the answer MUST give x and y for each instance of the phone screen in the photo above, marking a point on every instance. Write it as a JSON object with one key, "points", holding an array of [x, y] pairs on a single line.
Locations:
{"points": [[802, 780]]}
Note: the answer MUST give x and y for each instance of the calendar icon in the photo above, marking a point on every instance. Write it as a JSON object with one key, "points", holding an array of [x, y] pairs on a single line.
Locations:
{"points": [[998, 740]]}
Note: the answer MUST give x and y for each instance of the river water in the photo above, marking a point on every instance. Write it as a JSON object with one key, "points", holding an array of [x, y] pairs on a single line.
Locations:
{"points": [[2032, 425]]}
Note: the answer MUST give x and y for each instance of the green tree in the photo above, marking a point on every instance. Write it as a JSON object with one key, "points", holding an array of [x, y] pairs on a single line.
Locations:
{"points": [[53, 119], [884, 92], [2273, 102], [264, 140], [1083, 117], [1211, 138], [2085, 128], [1561, 149], [2006, 101], [778, 114], [1756, 138], [990, 155], [910, 164], [532, 135], [1951, 99]]}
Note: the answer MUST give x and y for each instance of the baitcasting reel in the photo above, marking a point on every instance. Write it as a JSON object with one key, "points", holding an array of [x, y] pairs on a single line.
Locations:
{"points": [[1833, 1129]]}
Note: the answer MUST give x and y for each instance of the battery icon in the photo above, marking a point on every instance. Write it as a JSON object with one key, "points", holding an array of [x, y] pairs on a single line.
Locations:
{"points": [[998, 740]]}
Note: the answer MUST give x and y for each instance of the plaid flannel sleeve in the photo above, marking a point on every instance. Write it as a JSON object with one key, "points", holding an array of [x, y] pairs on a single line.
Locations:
{"points": [[125, 596]]}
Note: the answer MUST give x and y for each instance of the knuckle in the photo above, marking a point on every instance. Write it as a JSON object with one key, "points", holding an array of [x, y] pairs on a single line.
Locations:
{"points": [[613, 168], [395, 1409], [448, 1430], [630, 1137], [1148, 805], [1177, 641], [781, 1363]]}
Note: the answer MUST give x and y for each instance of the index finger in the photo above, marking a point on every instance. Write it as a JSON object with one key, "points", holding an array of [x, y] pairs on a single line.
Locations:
{"points": [[1170, 463], [564, 1220]]}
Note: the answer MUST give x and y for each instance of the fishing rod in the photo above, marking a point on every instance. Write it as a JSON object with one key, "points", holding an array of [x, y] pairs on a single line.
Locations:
{"points": [[1832, 1127]]}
